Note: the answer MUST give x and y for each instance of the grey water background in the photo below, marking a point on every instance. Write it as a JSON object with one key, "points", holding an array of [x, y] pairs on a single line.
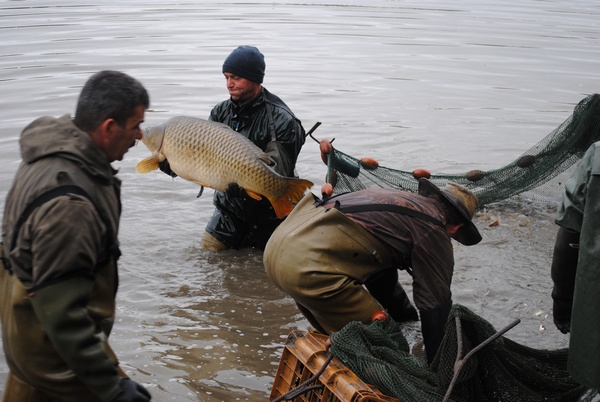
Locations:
{"points": [[443, 85]]}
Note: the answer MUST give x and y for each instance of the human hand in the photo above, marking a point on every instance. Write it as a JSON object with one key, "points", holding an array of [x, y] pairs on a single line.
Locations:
{"points": [[131, 391], [165, 167], [235, 191], [561, 313]]}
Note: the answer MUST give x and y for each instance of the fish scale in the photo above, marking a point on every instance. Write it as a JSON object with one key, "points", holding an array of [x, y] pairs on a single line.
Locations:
{"points": [[213, 155]]}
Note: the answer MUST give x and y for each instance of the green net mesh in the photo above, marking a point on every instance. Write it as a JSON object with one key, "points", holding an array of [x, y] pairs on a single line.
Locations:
{"points": [[503, 370], [553, 155]]}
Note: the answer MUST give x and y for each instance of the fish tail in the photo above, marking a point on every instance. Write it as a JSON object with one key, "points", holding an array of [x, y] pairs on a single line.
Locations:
{"points": [[147, 165], [295, 191]]}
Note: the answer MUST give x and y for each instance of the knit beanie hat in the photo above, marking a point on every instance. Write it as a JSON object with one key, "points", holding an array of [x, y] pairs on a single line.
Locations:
{"points": [[247, 62]]}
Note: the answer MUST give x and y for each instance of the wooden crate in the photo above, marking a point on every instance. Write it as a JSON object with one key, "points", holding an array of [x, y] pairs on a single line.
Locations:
{"points": [[303, 356]]}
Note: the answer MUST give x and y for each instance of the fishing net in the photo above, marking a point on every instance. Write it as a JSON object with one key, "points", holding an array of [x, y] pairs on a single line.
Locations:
{"points": [[533, 170], [499, 370]]}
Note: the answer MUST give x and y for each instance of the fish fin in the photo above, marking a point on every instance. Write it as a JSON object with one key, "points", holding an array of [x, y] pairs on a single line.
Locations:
{"points": [[296, 189], [201, 183], [257, 197], [147, 164], [267, 159]]}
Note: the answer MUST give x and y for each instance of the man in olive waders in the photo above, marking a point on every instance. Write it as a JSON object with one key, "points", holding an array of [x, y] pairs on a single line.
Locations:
{"points": [[339, 259], [60, 249]]}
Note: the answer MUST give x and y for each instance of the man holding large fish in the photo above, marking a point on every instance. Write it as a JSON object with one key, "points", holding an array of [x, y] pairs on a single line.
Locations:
{"points": [[267, 134]]}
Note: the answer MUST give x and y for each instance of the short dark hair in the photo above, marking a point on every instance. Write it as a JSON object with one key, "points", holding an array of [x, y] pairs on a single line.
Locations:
{"points": [[109, 94]]}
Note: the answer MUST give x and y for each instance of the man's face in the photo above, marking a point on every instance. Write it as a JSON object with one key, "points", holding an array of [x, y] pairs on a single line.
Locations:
{"points": [[241, 89], [120, 139]]}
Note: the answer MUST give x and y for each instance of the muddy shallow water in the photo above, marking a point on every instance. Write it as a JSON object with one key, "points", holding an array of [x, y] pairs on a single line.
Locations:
{"points": [[439, 85]]}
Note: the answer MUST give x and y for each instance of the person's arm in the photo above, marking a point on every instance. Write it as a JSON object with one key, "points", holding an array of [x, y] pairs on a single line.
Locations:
{"points": [[432, 266], [290, 138], [66, 235], [165, 167], [570, 218], [563, 272], [62, 313]]}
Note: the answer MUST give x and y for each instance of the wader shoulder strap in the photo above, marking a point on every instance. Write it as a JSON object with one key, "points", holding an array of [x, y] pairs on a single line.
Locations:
{"points": [[49, 195], [391, 208], [42, 199], [271, 121]]}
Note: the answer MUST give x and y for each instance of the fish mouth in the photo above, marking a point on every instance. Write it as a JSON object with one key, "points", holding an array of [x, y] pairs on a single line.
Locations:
{"points": [[144, 134]]}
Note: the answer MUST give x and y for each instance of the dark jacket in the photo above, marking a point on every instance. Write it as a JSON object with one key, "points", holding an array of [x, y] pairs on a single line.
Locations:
{"points": [[241, 221], [58, 305], [580, 212], [415, 244]]}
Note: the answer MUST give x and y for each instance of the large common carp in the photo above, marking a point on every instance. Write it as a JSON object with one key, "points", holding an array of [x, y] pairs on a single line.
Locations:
{"points": [[213, 155]]}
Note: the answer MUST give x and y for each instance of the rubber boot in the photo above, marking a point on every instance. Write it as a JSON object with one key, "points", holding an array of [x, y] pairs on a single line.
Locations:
{"points": [[392, 297], [209, 242], [432, 326]]}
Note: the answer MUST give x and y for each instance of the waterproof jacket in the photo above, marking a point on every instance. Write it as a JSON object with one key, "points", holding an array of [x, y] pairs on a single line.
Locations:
{"points": [[421, 246], [241, 221], [580, 212], [63, 253], [323, 254]]}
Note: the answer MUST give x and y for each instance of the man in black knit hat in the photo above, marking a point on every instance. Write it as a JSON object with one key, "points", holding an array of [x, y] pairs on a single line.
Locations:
{"points": [[240, 221]]}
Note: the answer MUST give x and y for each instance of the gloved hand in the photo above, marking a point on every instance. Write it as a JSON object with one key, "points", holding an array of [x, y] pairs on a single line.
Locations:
{"points": [[561, 312], [563, 272], [131, 391], [391, 295], [165, 166], [235, 191]]}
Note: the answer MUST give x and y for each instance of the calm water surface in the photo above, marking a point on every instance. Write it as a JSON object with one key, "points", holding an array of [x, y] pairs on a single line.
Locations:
{"points": [[435, 84]]}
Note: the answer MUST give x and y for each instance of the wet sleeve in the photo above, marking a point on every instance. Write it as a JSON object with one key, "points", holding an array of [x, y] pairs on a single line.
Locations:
{"points": [[432, 260], [290, 134], [62, 311], [290, 138], [571, 210]]}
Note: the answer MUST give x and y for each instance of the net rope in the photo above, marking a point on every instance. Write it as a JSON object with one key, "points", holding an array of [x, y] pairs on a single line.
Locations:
{"points": [[530, 174], [503, 370]]}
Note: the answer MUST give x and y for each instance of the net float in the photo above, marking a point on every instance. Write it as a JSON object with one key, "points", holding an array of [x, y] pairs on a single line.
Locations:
{"points": [[379, 315], [327, 189], [475, 175], [325, 147], [418, 173], [369, 163], [525, 161]]}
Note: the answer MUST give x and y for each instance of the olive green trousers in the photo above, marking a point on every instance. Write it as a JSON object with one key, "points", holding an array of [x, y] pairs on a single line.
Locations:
{"points": [[321, 258], [67, 387], [18, 391]]}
